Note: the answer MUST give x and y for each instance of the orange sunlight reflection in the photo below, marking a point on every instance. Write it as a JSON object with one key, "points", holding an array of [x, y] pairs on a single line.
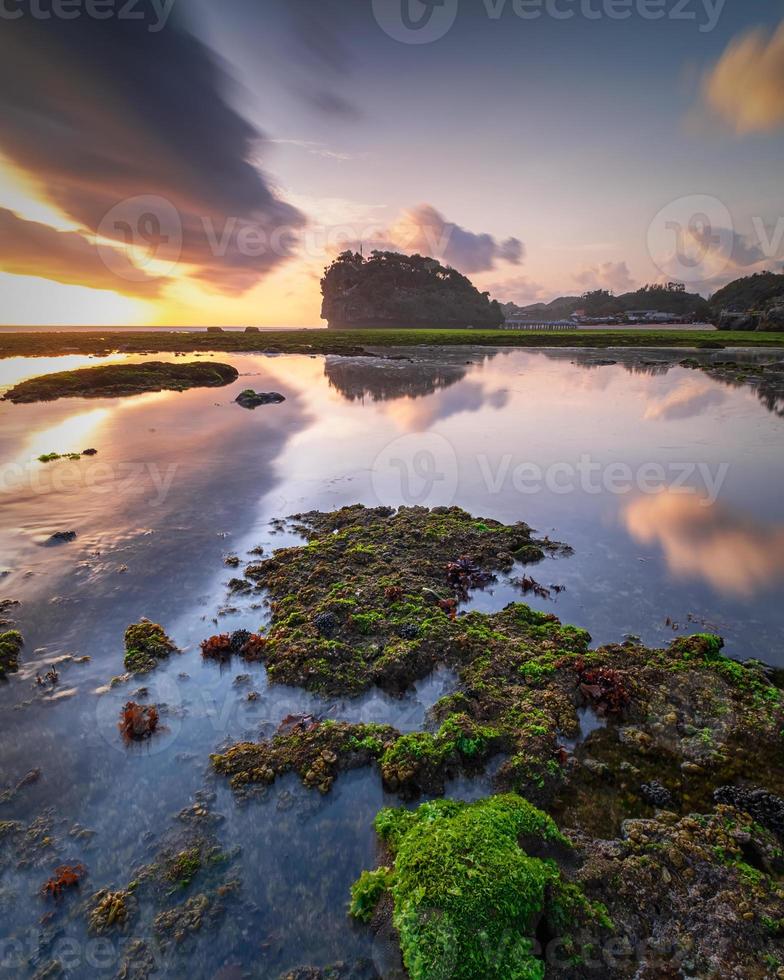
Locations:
{"points": [[733, 553]]}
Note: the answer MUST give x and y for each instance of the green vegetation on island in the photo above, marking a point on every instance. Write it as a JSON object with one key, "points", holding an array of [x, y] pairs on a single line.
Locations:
{"points": [[118, 380], [753, 303], [390, 289]]}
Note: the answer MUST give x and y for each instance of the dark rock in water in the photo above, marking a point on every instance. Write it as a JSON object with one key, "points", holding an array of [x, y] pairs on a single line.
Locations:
{"points": [[656, 794], [601, 362], [363, 970], [89, 452], [327, 624], [766, 808], [239, 638], [252, 399], [62, 537]]}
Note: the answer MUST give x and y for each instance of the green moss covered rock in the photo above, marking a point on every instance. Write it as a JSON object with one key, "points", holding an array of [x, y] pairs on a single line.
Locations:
{"points": [[146, 644], [117, 380], [467, 896], [11, 644]]}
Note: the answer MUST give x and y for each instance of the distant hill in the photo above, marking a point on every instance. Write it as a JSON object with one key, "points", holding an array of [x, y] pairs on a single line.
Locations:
{"points": [[672, 298], [389, 289], [750, 293], [558, 309]]}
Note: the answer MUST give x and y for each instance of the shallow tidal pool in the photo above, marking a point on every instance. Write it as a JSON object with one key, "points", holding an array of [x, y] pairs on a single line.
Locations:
{"points": [[666, 482]]}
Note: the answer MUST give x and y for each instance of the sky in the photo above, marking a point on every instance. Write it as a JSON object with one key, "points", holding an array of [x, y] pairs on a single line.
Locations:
{"points": [[167, 162]]}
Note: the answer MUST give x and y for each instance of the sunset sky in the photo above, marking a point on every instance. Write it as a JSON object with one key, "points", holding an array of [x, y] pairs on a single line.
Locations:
{"points": [[203, 167]]}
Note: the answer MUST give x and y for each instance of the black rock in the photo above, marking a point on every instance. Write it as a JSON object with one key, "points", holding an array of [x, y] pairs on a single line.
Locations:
{"points": [[238, 640], [766, 808], [327, 624], [656, 794], [252, 399], [408, 631], [89, 452], [62, 537]]}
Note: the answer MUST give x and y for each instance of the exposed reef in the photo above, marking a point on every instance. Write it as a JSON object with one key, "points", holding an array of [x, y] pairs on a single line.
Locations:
{"points": [[645, 836], [119, 380], [146, 644], [371, 598], [766, 378]]}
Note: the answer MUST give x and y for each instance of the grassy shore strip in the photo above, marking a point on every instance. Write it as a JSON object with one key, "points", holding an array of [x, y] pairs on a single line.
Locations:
{"points": [[356, 342]]}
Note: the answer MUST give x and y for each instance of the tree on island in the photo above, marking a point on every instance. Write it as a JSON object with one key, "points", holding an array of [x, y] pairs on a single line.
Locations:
{"points": [[754, 292], [389, 289]]}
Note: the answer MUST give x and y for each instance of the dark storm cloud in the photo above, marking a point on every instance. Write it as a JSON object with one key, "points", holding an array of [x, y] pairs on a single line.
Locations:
{"points": [[29, 248], [101, 111]]}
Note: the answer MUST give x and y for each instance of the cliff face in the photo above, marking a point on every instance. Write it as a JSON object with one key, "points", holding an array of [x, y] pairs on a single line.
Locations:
{"points": [[400, 291]]}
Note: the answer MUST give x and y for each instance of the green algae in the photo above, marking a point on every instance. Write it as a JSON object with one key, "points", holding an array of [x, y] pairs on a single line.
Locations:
{"points": [[368, 600], [53, 457], [472, 888], [119, 380], [339, 624], [146, 644], [316, 751], [467, 897], [368, 890], [11, 643]]}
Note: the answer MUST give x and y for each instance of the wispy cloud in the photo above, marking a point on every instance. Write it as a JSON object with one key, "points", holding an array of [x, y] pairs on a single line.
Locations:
{"points": [[30, 248], [316, 149], [745, 88], [614, 276]]}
